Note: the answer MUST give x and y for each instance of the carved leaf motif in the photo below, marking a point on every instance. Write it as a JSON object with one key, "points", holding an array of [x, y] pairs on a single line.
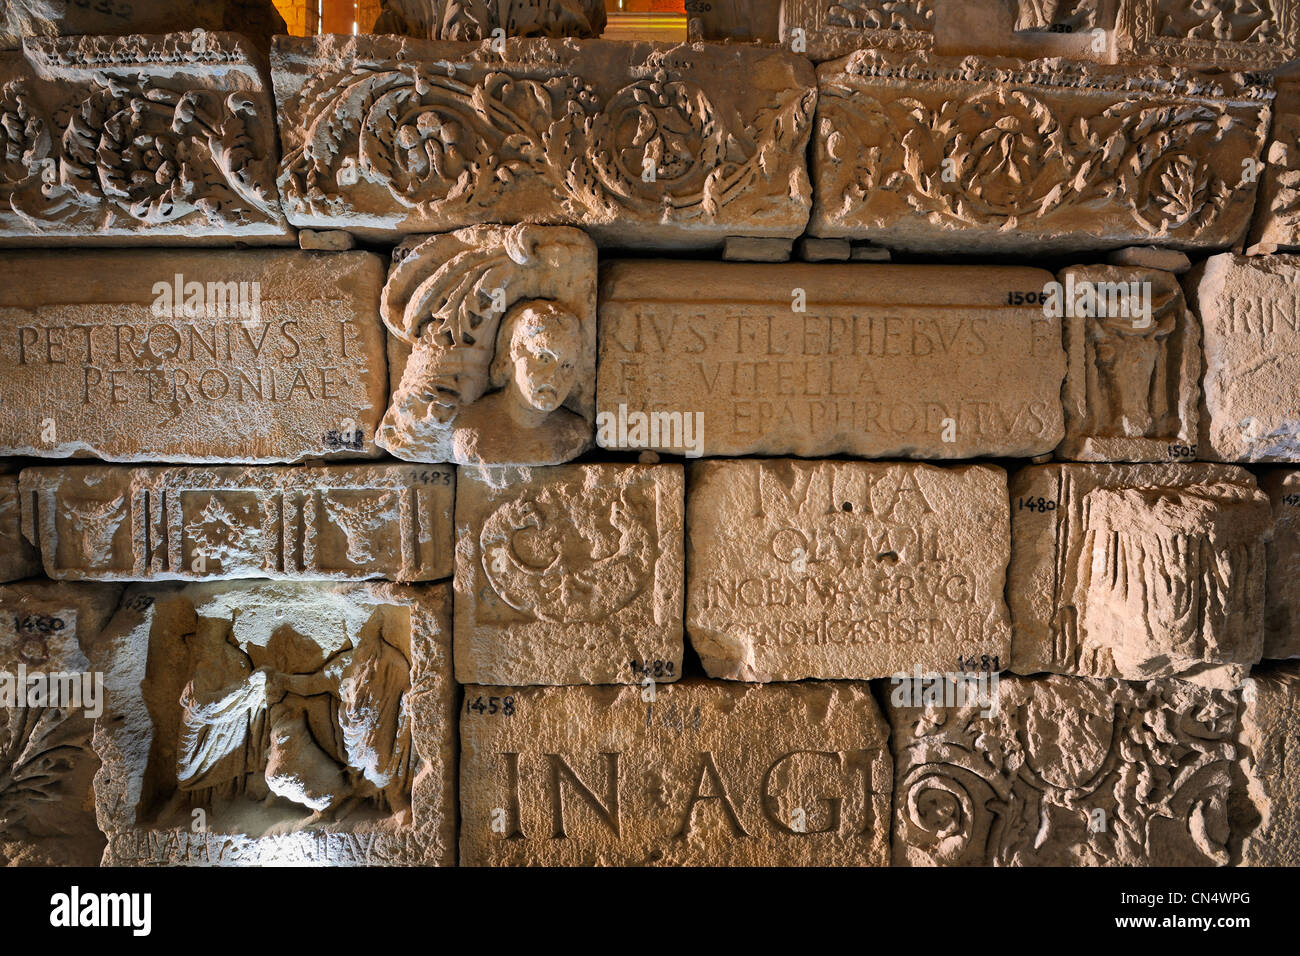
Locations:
{"points": [[39, 748]]}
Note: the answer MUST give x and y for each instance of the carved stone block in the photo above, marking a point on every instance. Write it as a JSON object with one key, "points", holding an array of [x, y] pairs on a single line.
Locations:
{"points": [[1282, 615], [816, 360], [1250, 318], [137, 140], [479, 19], [936, 154], [250, 356], [18, 558], [1277, 211], [831, 28], [256, 19], [1138, 571], [278, 723], [333, 522], [49, 700], [696, 774], [1133, 389], [845, 569], [498, 327], [1270, 747], [1062, 15], [1066, 772], [740, 20], [636, 142], [569, 575], [1210, 34]]}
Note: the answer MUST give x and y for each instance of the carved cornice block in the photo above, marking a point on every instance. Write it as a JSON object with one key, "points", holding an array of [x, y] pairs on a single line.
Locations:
{"points": [[48, 703], [997, 155], [478, 19], [1210, 34], [1133, 388], [18, 559], [637, 142], [334, 522], [256, 19], [1138, 571], [831, 28], [1277, 212], [1067, 772], [161, 140], [1269, 713], [701, 773], [277, 723]]}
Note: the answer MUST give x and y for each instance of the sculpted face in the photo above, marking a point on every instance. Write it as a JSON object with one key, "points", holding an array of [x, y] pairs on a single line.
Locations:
{"points": [[543, 358]]}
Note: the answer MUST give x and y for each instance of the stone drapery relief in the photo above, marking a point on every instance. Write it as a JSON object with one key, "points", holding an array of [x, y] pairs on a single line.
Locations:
{"points": [[478, 19]]}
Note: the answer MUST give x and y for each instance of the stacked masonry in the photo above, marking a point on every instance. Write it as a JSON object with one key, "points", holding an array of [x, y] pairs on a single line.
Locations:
{"points": [[538, 509]]}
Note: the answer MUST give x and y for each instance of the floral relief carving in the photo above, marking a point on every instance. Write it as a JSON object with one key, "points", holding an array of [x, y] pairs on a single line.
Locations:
{"points": [[1011, 155], [409, 147]]}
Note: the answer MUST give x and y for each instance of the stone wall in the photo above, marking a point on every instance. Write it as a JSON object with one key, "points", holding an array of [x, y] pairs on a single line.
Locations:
{"points": [[866, 434]]}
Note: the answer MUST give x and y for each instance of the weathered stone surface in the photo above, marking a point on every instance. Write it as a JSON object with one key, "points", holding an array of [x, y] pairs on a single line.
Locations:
{"points": [[308, 723], [140, 140], [281, 358], [1282, 615], [1210, 34], [330, 240], [1067, 772], [1270, 812], [741, 20], [845, 569], [1133, 389], [47, 812], [1137, 571], [256, 19], [639, 143], [1250, 318], [831, 28], [18, 558], [937, 154], [1151, 257], [907, 361], [333, 522], [478, 19], [1076, 29], [702, 773], [569, 575], [749, 249], [1277, 211], [497, 339]]}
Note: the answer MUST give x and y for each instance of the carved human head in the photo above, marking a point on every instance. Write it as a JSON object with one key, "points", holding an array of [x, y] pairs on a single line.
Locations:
{"points": [[537, 349]]}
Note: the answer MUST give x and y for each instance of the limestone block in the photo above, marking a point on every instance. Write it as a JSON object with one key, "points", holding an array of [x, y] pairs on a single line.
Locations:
{"points": [[1138, 571], [1277, 211], [255, 19], [639, 143], [739, 20], [18, 558], [49, 700], [278, 723], [846, 569], [936, 154], [1270, 812], [137, 140], [1250, 320], [569, 575], [1067, 772], [189, 356], [1210, 34], [1075, 29], [816, 360], [478, 19], [1282, 614], [331, 522], [1133, 389], [700, 774], [830, 28], [499, 329]]}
